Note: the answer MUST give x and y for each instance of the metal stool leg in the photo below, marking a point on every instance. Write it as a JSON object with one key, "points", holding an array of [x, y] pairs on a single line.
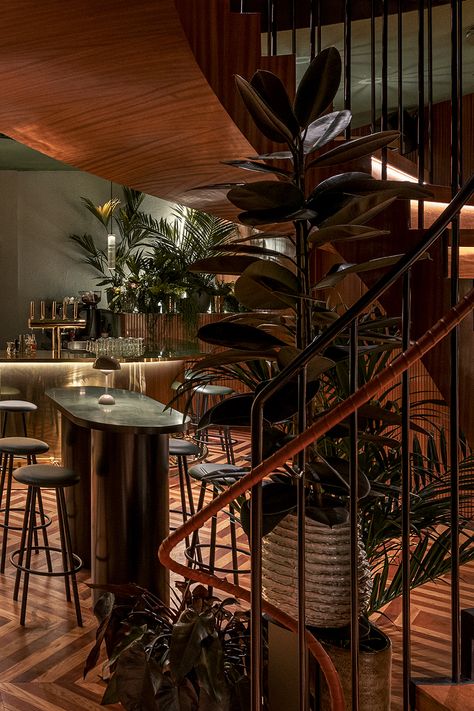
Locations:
{"points": [[30, 522], [8, 464], [24, 532], [61, 499]]}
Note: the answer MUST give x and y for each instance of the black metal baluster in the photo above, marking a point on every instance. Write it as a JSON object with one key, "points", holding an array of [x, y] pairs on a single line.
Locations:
{"points": [[274, 29], [256, 662], [354, 519], [314, 7], [269, 26], [373, 101], [421, 105], [406, 488], [293, 27], [301, 512], [347, 60], [430, 89], [384, 119], [401, 121], [456, 98]]}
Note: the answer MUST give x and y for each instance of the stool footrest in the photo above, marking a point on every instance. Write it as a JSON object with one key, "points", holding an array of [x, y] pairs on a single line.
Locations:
{"points": [[46, 573], [20, 528]]}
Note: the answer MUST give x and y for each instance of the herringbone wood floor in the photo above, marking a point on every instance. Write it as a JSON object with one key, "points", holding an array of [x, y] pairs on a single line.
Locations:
{"points": [[41, 665]]}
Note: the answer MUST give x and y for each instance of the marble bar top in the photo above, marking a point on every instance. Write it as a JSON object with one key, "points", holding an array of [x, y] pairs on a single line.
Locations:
{"points": [[85, 357], [133, 412]]}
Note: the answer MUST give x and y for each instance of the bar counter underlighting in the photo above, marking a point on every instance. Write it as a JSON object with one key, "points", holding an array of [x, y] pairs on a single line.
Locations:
{"points": [[26, 377]]}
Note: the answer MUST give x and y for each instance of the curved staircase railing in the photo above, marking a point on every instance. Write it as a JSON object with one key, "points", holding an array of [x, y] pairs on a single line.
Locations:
{"points": [[261, 469]]}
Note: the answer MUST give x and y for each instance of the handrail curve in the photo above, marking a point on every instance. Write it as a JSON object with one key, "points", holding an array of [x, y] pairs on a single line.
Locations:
{"points": [[330, 419]]}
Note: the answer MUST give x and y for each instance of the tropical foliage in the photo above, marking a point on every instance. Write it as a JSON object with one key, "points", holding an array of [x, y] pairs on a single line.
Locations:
{"points": [[285, 312], [190, 658], [152, 257]]}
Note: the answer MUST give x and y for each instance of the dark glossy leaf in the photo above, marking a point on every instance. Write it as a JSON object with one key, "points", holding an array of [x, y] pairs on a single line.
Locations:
{"points": [[236, 335], [210, 672], [234, 411], [332, 470], [342, 183], [267, 195], [258, 167], [263, 117], [278, 155], [361, 209], [315, 367], [247, 249], [328, 515], [267, 285], [256, 293], [187, 638], [271, 89], [339, 271], [234, 356], [278, 500], [318, 86], [284, 403], [267, 217], [325, 129], [358, 183], [135, 687], [111, 694], [346, 233], [222, 264], [357, 148]]}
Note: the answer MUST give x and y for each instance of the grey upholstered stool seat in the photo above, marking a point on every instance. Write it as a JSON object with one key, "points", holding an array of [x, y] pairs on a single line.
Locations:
{"points": [[8, 391], [217, 476], [21, 407], [11, 447], [183, 448], [211, 390], [36, 477]]}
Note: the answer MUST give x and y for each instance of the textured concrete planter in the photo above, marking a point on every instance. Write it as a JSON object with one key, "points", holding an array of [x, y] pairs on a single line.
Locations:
{"points": [[327, 572]]}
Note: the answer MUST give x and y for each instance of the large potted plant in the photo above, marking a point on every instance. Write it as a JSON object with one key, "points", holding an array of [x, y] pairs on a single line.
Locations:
{"points": [[280, 294]]}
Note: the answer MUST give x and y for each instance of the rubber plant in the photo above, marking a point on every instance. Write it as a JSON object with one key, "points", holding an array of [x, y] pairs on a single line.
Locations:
{"points": [[284, 311]]}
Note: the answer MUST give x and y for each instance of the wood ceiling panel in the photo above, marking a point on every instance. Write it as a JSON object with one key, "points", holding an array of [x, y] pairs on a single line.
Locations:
{"points": [[112, 88]]}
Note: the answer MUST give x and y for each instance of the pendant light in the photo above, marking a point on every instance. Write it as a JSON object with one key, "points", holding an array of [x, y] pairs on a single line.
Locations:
{"points": [[111, 242]]}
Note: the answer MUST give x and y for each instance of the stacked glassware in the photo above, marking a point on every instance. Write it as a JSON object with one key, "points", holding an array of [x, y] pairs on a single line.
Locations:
{"points": [[117, 347]]}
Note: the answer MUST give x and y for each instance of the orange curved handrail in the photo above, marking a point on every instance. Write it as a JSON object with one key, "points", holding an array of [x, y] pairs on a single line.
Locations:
{"points": [[404, 361]]}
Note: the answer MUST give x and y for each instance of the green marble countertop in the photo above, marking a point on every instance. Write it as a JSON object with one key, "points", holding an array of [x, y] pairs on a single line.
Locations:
{"points": [[133, 412], [85, 357]]}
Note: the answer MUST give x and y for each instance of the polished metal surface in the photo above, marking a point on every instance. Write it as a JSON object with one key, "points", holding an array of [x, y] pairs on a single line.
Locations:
{"points": [[119, 513]]}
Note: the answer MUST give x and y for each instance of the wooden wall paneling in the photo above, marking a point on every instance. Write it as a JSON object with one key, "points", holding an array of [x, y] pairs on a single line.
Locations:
{"points": [[113, 88], [226, 43]]}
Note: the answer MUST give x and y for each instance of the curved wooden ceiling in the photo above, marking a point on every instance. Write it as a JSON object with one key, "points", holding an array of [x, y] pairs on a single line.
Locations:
{"points": [[112, 88]]}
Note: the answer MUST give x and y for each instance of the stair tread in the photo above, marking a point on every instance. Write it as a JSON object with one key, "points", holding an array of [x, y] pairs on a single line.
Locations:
{"points": [[445, 697]]}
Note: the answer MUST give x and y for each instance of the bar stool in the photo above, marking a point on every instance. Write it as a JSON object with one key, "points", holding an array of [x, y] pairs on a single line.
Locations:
{"points": [[36, 477], [205, 396], [181, 449], [11, 447], [16, 406], [217, 476]]}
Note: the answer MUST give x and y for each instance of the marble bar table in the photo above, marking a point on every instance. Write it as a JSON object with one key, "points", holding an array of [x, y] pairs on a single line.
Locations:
{"points": [[119, 513]]}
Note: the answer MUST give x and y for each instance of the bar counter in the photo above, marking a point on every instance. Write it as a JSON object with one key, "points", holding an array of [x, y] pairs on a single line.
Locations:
{"points": [[25, 377], [119, 513]]}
